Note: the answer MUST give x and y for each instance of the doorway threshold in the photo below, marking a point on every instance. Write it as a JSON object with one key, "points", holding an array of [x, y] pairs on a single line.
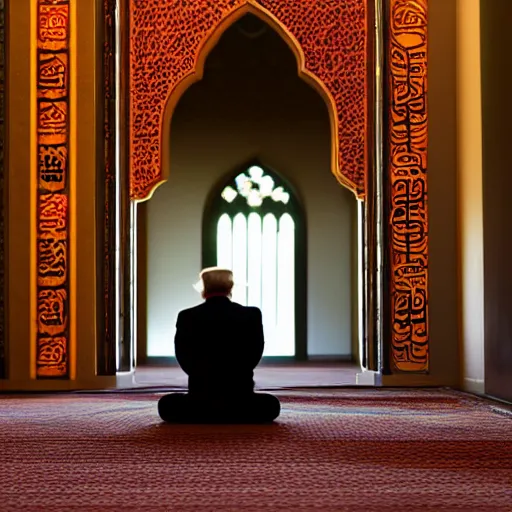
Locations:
{"points": [[270, 375]]}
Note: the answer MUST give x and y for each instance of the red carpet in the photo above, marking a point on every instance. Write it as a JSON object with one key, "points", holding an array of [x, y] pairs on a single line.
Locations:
{"points": [[343, 450]]}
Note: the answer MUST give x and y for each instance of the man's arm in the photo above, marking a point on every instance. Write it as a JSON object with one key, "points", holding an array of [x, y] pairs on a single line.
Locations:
{"points": [[182, 342]]}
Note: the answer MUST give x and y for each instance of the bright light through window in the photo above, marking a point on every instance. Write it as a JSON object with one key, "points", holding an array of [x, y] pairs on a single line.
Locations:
{"points": [[225, 242], [240, 259], [269, 284], [259, 246], [286, 285], [254, 267]]}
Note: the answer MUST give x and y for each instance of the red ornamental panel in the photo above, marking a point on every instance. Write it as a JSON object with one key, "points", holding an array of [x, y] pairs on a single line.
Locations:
{"points": [[52, 344], [167, 38], [408, 182]]}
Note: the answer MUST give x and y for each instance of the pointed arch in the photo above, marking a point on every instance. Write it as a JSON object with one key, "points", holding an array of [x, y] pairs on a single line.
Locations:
{"points": [[197, 74], [333, 58]]}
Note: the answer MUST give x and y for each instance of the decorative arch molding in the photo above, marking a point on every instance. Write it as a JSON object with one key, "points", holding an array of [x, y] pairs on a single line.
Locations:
{"points": [[169, 45]]}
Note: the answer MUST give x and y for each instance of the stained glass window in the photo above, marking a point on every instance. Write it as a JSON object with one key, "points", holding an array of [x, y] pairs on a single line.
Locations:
{"points": [[254, 220]]}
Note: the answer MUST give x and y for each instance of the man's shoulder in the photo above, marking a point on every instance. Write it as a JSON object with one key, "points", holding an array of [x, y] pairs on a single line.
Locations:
{"points": [[188, 312], [254, 310], [250, 310], [239, 308]]}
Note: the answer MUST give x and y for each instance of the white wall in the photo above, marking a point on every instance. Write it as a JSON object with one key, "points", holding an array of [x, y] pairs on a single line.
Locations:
{"points": [[220, 123], [471, 234]]}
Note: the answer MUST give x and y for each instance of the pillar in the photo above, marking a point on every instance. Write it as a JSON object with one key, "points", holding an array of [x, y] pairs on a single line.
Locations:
{"points": [[54, 159]]}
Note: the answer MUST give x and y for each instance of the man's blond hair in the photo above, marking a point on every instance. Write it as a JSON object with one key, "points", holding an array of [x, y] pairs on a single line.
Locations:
{"points": [[216, 281]]}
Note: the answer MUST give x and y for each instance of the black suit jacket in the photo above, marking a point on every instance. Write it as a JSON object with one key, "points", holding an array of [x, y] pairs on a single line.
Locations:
{"points": [[218, 344]]}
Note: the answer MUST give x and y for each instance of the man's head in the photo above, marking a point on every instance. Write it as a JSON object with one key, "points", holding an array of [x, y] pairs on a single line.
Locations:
{"points": [[216, 281]]}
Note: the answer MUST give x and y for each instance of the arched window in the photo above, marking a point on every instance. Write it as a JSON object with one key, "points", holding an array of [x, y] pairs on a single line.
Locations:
{"points": [[253, 224]]}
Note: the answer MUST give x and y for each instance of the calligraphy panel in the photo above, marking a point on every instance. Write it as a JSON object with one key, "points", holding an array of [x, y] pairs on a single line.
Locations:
{"points": [[53, 167], [52, 241], [52, 74], [52, 356], [408, 220], [330, 35], [53, 25], [52, 344]]}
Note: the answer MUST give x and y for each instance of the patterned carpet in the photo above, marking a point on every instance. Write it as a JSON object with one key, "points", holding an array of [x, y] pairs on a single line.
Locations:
{"points": [[350, 449]]}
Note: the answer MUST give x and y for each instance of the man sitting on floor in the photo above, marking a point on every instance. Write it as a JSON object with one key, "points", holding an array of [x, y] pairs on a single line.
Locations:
{"points": [[218, 344]]}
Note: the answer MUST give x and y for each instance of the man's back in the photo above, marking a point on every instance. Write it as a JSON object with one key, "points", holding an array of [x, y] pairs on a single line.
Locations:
{"points": [[219, 343]]}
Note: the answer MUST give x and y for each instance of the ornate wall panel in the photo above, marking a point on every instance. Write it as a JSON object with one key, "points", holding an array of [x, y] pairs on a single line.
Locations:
{"points": [[2, 192], [52, 344], [167, 38], [407, 85]]}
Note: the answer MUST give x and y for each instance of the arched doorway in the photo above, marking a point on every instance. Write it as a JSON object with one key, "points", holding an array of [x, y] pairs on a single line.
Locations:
{"points": [[252, 107], [350, 71]]}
